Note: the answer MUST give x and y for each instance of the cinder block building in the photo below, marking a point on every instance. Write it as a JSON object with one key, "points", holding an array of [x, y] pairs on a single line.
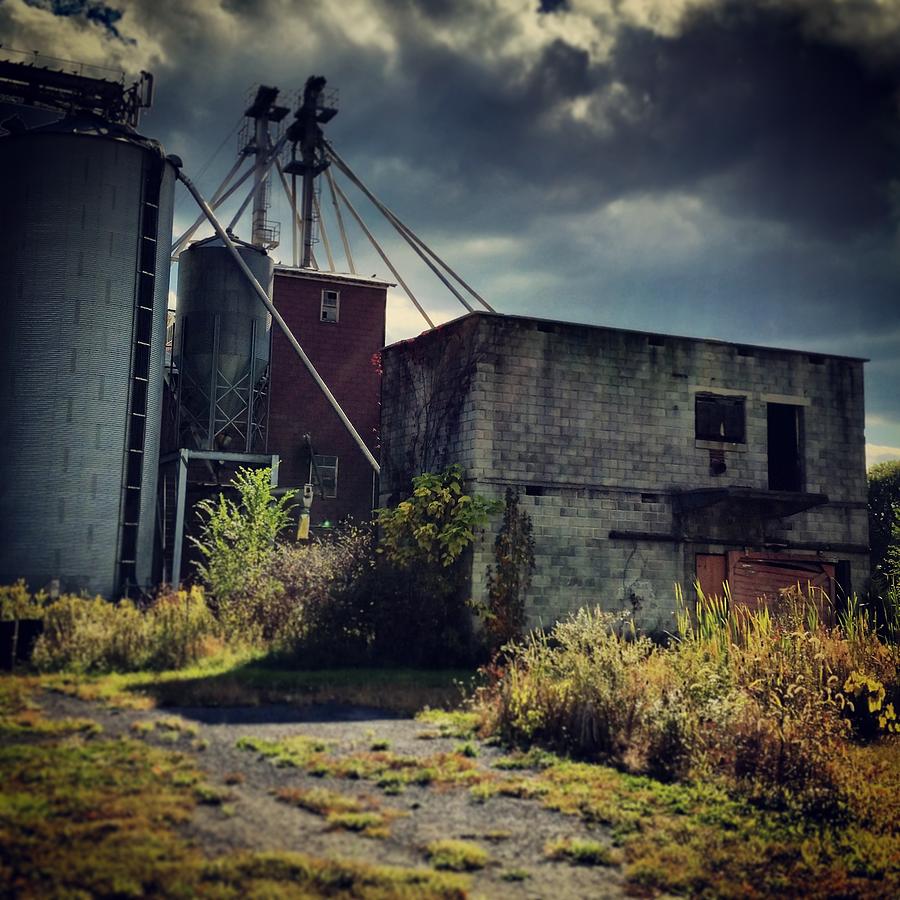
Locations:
{"points": [[644, 460], [340, 322]]}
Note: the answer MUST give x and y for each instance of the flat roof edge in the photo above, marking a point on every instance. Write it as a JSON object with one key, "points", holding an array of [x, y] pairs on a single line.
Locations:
{"points": [[324, 274], [635, 331]]}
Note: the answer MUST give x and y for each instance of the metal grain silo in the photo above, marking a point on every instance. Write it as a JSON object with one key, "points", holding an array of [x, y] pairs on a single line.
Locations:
{"points": [[84, 274], [222, 340]]}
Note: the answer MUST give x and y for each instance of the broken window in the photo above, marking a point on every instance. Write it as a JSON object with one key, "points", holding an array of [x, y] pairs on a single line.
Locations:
{"points": [[331, 306], [719, 418], [323, 471], [785, 446]]}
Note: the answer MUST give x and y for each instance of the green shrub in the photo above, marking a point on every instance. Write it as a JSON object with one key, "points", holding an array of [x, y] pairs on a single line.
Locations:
{"points": [[84, 634], [435, 524], [419, 607], [16, 602], [321, 612], [237, 543], [181, 629]]}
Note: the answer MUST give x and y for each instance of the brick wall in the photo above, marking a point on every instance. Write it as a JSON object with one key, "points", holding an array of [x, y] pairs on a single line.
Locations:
{"points": [[596, 428], [342, 353]]}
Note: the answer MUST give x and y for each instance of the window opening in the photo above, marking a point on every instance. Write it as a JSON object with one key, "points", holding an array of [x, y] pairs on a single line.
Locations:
{"points": [[719, 418], [785, 446], [326, 468], [331, 306]]}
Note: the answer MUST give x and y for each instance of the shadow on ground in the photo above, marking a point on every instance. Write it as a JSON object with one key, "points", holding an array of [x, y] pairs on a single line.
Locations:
{"points": [[381, 692]]}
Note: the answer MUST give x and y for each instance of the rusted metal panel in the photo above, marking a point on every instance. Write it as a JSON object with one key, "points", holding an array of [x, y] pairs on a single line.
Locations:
{"points": [[712, 570], [757, 579]]}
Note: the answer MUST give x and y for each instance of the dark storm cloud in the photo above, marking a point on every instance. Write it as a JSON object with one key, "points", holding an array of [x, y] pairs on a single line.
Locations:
{"points": [[104, 16], [730, 171], [790, 128]]}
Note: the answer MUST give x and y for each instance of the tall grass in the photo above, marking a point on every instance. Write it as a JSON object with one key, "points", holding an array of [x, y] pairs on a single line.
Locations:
{"points": [[766, 698]]}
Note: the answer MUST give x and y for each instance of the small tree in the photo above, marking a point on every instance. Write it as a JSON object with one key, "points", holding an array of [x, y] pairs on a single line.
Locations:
{"points": [[419, 608], [237, 538], [510, 578], [436, 524], [884, 520]]}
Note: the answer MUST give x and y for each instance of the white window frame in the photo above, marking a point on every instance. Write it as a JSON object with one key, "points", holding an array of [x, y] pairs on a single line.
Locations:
{"points": [[337, 307]]}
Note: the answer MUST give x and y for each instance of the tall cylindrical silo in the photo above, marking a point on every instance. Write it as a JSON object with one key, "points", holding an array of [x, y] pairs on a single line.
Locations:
{"points": [[84, 276], [222, 341]]}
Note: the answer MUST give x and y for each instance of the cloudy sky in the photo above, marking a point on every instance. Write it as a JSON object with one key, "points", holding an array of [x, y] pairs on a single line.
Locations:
{"points": [[701, 167]]}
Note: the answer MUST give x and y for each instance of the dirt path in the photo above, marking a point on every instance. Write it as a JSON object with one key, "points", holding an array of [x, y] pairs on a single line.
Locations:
{"points": [[245, 813]]}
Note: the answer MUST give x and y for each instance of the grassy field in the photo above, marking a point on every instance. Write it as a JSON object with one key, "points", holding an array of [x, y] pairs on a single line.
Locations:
{"points": [[84, 812]]}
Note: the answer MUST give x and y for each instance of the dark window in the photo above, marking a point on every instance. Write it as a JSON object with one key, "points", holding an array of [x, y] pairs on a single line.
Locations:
{"points": [[718, 418], [785, 447], [331, 306], [323, 472]]}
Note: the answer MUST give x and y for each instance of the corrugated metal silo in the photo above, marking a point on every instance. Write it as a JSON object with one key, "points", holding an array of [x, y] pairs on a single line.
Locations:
{"points": [[84, 275], [222, 338]]}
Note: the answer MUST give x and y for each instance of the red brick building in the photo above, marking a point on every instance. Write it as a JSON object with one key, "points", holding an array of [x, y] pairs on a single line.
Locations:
{"points": [[339, 321]]}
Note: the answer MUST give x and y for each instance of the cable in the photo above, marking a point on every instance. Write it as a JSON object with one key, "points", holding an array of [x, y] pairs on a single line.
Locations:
{"points": [[411, 238], [381, 253]]}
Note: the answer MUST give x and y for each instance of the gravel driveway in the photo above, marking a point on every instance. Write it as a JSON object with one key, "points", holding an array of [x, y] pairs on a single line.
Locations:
{"points": [[248, 816]]}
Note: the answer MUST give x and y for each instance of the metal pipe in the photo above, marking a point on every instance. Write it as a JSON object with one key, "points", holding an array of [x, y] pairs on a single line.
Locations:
{"points": [[179, 517], [402, 233], [258, 220], [277, 317], [382, 254]]}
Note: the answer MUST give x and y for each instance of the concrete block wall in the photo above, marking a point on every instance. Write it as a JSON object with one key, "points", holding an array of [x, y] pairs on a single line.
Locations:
{"points": [[596, 428]]}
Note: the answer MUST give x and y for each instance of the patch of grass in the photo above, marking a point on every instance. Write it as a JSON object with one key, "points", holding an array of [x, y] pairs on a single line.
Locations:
{"points": [[311, 877], [535, 758], [390, 771], [457, 856], [515, 875], [359, 814], [450, 723], [21, 718], [297, 752], [210, 795], [579, 852], [380, 745], [467, 749]]}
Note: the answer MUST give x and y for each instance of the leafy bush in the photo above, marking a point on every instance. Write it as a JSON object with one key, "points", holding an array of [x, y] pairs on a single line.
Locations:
{"points": [[16, 602], [884, 520], [420, 612], [237, 543], [92, 635], [436, 524], [595, 689], [321, 611]]}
